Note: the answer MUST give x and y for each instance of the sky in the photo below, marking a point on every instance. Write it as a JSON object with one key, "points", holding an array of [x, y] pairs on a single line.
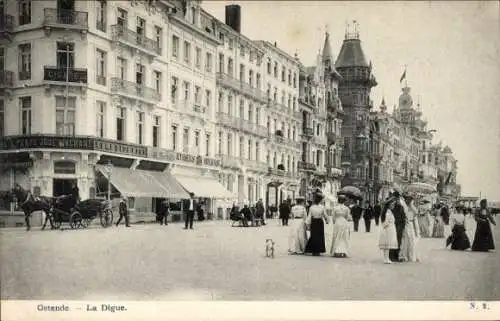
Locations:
{"points": [[452, 53]]}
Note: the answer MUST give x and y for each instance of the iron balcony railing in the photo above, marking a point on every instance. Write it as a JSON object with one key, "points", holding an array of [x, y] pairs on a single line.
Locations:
{"points": [[285, 141], [229, 161], [241, 86], [254, 165], [59, 17], [241, 124], [6, 23], [284, 109], [6, 78], [123, 34], [307, 131], [131, 88], [63, 74]]}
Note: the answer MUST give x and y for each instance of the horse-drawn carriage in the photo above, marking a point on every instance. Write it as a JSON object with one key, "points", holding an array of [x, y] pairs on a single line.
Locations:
{"points": [[81, 214]]}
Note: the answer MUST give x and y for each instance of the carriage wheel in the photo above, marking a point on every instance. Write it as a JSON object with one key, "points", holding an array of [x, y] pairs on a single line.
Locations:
{"points": [[107, 218], [75, 220], [85, 222], [57, 222]]}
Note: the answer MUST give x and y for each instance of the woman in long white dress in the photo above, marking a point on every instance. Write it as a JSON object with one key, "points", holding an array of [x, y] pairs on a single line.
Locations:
{"points": [[341, 230], [408, 251], [388, 237], [298, 233]]}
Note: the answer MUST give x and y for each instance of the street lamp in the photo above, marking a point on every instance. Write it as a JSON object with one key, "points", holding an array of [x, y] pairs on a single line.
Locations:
{"points": [[109, 170]]}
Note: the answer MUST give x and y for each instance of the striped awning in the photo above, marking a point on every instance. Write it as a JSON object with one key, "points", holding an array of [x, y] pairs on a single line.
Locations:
{"points": [[204, 187]]}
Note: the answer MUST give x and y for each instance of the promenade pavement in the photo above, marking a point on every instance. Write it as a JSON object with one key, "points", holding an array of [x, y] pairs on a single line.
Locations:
{"points": [[218, 262]]}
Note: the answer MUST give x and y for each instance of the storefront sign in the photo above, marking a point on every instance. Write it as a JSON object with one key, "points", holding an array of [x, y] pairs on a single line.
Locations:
{"points": [[162, 154], [14, 165], [71, 142], [211, 162]]}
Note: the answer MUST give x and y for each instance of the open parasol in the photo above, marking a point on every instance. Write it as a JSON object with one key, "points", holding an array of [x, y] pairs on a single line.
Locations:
{"points": [[350, 191], [418, 187]]}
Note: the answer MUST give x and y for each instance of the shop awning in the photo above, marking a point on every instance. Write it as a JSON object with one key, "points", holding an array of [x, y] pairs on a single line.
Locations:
{"points": [[173, 188], [139, 183], [204, 187]]}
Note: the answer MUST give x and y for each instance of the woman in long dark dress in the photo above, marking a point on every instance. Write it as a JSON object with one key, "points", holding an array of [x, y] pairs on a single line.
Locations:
{"points": [[458, 238], [483, 239], [317, 213]]}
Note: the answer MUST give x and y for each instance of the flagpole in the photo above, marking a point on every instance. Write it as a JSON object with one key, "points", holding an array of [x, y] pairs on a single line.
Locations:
{"points": [[406, 77]]}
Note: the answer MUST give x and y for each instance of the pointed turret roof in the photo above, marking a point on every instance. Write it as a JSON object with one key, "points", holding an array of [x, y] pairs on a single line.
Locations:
{"points": [[351, 54], [327, 49]]}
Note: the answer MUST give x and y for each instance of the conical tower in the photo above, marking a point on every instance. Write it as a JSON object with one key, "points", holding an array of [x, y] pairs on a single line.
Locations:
{"points": [[354, 92]]}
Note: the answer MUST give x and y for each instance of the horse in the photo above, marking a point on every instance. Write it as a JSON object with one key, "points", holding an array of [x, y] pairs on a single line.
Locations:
{"points": [[28, 203]]}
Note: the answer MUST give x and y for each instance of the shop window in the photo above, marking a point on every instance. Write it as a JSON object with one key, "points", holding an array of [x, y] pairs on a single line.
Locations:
{"points": [[131, 202], [64, 167]]}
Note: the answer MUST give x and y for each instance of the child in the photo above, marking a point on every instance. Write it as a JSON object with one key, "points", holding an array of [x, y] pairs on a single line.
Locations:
{"points": [[388, 239]]}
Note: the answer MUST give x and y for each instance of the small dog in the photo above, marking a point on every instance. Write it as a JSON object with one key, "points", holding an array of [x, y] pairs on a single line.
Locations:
{"points": [[270, 248]]}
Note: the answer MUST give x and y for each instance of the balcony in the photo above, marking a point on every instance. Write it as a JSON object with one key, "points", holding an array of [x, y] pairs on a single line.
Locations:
{"points": [[333, 138], [240, 86], [254, 165], [6, 79], [135, 41], [307, 132], [6, 26], [320, 140], [280, 140], [65, 75], [229, 162], [134, 91], [65, 19], [306, 166], [241, 125], [276, 172], [285, 110], [335, 172]]}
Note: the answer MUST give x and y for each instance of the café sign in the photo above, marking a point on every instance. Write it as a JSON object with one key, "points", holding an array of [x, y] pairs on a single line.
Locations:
{"points": [[171, 156], [71, 142]]}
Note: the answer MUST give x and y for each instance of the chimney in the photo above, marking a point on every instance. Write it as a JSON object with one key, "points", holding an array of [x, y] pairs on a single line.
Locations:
{"points": [[233, 17]]}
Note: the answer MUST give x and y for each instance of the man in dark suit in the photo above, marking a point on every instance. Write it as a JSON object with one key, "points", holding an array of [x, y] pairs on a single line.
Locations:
{"points": [[356, 212], [284, 212], [377, 210], [123, 210], [399, 222], [367, 216], [189, 214]]}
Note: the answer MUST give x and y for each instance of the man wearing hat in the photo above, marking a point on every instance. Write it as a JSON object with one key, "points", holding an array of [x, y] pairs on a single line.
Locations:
{"points": [[123, 210], [399, 213]]}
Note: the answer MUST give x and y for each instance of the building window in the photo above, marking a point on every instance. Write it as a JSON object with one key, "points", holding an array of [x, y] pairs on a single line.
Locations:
{"points": [[220, 102], [283, 72], [157, 81], [229, 144], [2, 117], [230, 67], [101, 15], [197, 58], [158, 38], [2, 58], [221, 63], [100, 120], [187, 52], [175, 47], [219, 145], [231, 44], [197, 142], [101, 67], [208, 62], [258, 81], [257, 115], [122, 18], [275, 70], [173, 90], [65, 55], [242, 109], [207, 144], [140, 128], [250, 113], [65, 115], [25, 103], [242, 147], [174, 137], [289, 77], [24, 12], [156, 131], [197, 95], [242, 73], [269, 66], [120, 123], [249, 149], [250, 78], [230, 105], [186, 91], [140, 28], [25, 61], [193, 15], [208, 98], [185, 140], [122, 68], [242, 51], [257, 152], [139, 74]]}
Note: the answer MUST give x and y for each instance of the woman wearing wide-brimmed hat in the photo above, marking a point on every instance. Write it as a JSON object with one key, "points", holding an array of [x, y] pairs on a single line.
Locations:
{"points": [[298, 233], [408, 250], [388, 237], [341, 229], [483, 238], [315, 220]]}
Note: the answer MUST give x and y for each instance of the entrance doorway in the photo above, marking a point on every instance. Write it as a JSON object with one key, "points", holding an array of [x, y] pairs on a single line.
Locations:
{"points": [[62, 186]]}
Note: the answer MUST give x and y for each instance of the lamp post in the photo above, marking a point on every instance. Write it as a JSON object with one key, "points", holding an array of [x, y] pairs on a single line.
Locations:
{"points": [[109, 167]]}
